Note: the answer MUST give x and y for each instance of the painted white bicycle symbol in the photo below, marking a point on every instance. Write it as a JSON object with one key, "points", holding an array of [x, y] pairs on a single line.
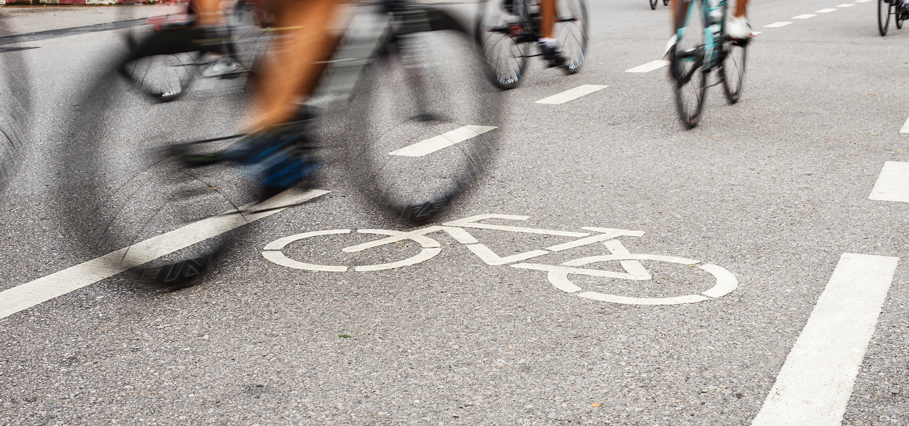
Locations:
{"points": [[558, 274]]}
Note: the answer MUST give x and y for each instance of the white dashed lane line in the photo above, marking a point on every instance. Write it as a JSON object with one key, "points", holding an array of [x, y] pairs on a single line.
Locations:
{"points": [[805, 16], [893, 183], [433, 144], [817, 379], [648, 67], [30, 294], [825, 10], [777, 24], [570, 95], [846, 5]]}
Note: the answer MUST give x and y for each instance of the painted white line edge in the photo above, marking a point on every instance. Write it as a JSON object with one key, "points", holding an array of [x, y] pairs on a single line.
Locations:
{"points": [[570, 95], [777, 24], [428, 146], [846, 5], [805, 16], [816, 381], [893, 183], [35, 292], [905, 128], [825, 10], [650, 66]]}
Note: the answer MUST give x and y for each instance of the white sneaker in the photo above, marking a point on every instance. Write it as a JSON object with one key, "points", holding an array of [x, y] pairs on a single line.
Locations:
{"points": [[738, 28], [221, 67], [670, 44]]}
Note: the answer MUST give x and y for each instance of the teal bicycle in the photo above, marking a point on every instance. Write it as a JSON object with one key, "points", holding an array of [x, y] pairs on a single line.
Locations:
{"points": [[702, 47]]}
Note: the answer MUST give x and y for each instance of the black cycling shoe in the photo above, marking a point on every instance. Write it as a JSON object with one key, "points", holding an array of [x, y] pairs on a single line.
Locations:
{"points": [[552, 55]]}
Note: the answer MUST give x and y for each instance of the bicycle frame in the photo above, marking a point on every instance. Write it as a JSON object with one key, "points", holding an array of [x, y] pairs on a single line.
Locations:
{"points": [[714, 35]]}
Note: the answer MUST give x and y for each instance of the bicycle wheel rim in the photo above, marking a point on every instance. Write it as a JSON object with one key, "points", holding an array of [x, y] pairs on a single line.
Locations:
{"points": [[884, 10], [424, 122], [689, 79], [571, 30], [131, 206], [733, 70], [504, 38]]}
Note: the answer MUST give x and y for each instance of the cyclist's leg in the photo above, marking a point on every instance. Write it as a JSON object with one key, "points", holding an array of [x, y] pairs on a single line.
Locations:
{"points": [[548, 42], [678, 21], [293, 70], [741, 6], [289, 76]]}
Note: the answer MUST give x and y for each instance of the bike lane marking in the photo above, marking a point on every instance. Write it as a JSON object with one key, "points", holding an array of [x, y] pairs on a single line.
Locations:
{"points": [[445, 140], [777, 24], [35, 292], [572, 94], [893, 183], [648, 67], [817, 379]]}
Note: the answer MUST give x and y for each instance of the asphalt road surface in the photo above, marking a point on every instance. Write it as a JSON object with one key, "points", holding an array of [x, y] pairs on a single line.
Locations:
{"points": [[754, 271]]}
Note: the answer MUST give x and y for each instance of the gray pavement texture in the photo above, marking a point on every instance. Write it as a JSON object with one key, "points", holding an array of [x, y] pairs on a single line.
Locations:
{"points": [[774, 189]]}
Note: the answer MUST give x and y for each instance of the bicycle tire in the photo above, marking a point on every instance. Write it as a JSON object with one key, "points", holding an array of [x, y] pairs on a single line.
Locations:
{"points": [[665, 2], [883, 16], [898, 17], [571, 30], [653, 4], [15, 104], [689, 79], [732, 71], [417, 95], [506, 40], [127, 202]]}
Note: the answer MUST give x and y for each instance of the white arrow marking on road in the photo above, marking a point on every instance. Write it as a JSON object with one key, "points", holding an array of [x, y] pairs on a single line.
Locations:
{"points": [[893, 183], [777, 24], [445, 140], [650, 66], [816, 380], [570, 95], [27, 295], [905, 128]]}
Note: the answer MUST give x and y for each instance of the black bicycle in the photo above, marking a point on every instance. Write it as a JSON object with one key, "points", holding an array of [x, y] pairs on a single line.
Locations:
{"points": [[406, 101], [508, 32], [886, 8], [702, 47], [235, 51]]}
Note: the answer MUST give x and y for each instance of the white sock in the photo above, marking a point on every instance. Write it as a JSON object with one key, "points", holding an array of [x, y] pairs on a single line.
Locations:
{"points": [[548, 42]]}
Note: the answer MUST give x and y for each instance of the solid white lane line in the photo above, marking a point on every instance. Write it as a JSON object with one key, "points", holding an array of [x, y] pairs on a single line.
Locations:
{"points": [[817, 378], [893, 183], [570, 95], [777, 24], [846, 5], [650, 66], [805, 16], [27, 295], [436, 143], [825, 10]]}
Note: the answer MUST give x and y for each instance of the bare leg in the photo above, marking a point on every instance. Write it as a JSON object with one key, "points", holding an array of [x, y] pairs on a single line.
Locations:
{"points": [[547, 14], [741, 6], [293, 69]]}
